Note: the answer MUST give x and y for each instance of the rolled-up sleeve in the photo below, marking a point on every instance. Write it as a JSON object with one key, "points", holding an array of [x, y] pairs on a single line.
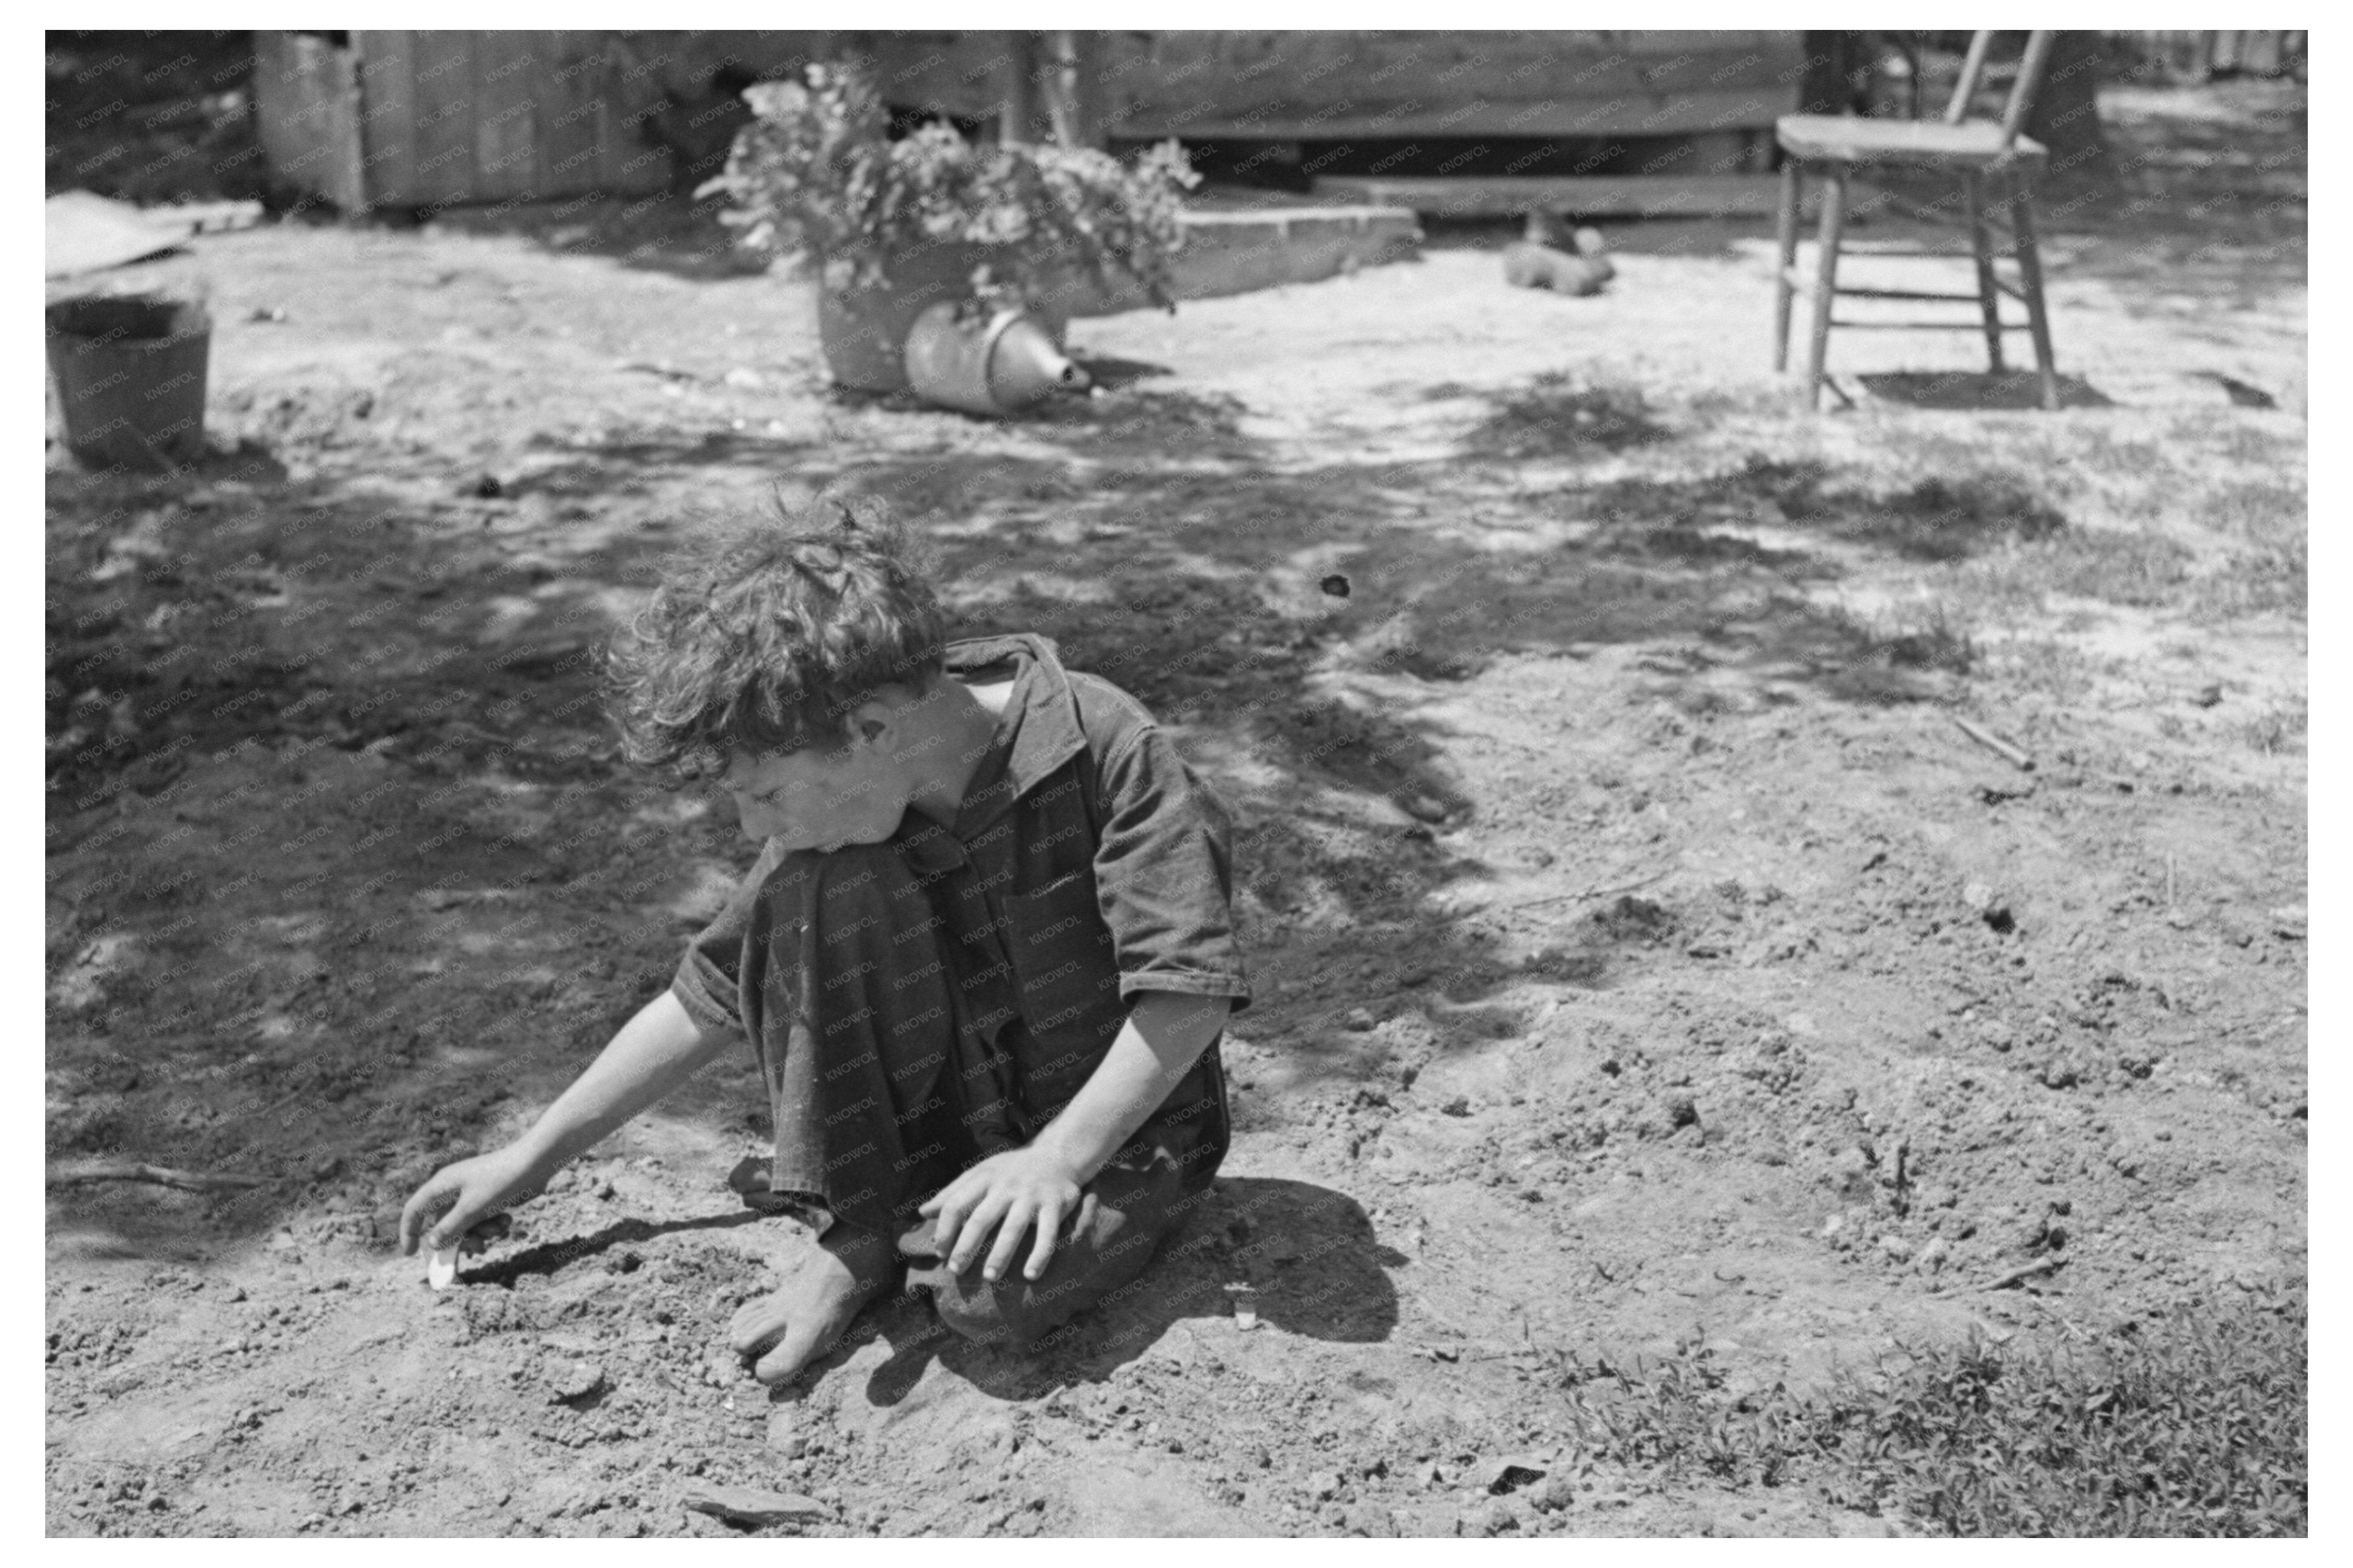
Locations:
{"points": [[709, 982], [1164, 874]]}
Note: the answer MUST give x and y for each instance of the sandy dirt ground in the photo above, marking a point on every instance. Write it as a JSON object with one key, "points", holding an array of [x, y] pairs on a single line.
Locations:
{"points": [[1647, 963]]}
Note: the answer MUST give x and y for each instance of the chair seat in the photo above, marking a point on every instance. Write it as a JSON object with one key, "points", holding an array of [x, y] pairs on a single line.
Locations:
{"points": [[1852, 139]]}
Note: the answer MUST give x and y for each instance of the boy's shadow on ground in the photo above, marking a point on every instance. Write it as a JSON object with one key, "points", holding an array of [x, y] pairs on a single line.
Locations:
{"points": [[1308, 1254]]}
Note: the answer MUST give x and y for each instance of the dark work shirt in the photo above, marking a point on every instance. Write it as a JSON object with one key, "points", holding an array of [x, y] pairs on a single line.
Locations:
{"points": [[1087, 863]]}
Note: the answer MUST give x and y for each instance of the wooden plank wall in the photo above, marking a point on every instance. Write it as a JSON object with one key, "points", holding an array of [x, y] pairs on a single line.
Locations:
{"points": [[441, 91], [495, 116], [306, 101], [1321, 86], [962, 74], [425, 119], [1341, 85]]}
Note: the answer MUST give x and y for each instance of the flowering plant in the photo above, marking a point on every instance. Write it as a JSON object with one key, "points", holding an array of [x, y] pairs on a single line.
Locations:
{"points": [[817, 172]]}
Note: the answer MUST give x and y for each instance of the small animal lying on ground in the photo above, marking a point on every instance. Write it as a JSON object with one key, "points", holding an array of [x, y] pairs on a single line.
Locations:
{"points": [[1530, 266]]}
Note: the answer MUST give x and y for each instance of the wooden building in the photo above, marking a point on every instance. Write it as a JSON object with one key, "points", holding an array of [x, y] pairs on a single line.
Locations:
{"points": [[1337, 86], [405, 118], [422, 119]]}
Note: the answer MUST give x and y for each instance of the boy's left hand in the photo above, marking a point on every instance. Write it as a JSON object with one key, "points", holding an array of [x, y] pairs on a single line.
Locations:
{"points": [[1011, 1193]]}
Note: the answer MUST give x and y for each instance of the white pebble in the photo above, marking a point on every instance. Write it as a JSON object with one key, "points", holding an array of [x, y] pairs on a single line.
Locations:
{"points": [[441, 1270]]}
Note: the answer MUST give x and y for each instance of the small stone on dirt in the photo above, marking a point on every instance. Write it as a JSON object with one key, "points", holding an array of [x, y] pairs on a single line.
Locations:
{"points": [[750, 1506], [1551, 1495], [575, 1380], [488, 487], [1425, 808], [1458, 1106], [1497, 1518], [1509, 1473], [1359, 1021], [1680, 1109]]}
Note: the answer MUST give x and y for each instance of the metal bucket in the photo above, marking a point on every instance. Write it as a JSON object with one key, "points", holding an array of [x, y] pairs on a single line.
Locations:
{"points": [[130, 372], [863, 332], [998, 367]]}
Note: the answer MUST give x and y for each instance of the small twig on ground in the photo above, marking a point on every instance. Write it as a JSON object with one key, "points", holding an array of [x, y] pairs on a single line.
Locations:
{"points": [[139, 1171], [2003, 1281], [1995, 744], [1589, 892]]}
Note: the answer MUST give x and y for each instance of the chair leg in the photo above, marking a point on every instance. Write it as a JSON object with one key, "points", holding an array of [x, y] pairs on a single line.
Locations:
{"points": [[1793, 188], [1988, 295], [2029, 272], [1826, 280]]}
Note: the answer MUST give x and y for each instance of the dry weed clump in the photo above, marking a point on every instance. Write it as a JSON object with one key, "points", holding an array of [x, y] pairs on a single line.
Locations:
{"points": [[1559, 413], [2193, 1425]]}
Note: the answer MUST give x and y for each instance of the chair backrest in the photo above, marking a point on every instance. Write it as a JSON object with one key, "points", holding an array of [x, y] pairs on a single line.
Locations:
{"points": [[2028, 82]]}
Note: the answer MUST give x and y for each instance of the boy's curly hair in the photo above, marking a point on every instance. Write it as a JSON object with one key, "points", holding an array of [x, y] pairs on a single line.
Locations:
{"points": [[764, 635]]}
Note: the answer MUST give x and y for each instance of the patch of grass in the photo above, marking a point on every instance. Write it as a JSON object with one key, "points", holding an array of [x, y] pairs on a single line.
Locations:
{"points": [[2272, 518], [2256, 584], [1947, 520], [1559, 413], [2145, 569], [2280, 728], [2207, 444], [1937, 519], [2269, 514], [2111, 566], [1926, 635], [2190, 1425]]}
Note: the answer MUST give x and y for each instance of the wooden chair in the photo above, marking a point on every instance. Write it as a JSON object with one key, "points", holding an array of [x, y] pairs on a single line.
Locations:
{"points": [[1989, 154]]}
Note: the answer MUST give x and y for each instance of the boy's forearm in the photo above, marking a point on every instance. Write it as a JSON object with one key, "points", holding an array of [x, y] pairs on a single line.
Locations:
{"points": [[1165, 1034], [655, 1052]]}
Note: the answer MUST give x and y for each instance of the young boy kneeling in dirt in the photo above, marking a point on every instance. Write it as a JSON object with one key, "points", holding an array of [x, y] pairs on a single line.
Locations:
{"points": [[983, 960]]}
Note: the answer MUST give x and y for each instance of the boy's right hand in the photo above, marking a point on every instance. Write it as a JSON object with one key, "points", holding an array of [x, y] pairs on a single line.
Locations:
{"points": [[458, 1197]]}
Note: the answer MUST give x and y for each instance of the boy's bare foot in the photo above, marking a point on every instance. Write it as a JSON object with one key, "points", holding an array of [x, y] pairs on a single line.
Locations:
{"points": [[826, 1284]]}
